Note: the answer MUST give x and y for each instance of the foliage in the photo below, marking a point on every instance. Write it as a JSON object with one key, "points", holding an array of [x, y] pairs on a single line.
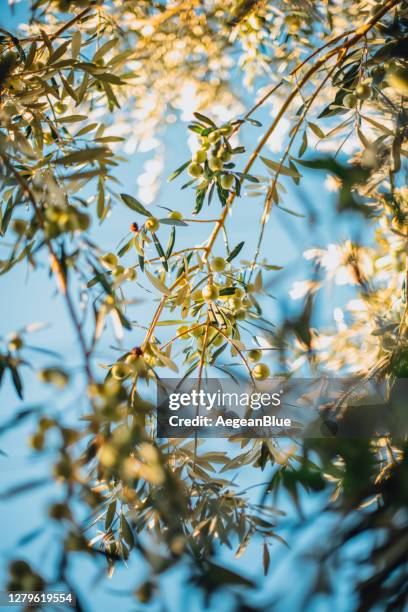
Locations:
{"points": [[72, 81]]}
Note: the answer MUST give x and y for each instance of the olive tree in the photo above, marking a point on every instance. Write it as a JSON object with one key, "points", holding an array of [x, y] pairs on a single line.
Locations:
{"points": [[82, 84]]}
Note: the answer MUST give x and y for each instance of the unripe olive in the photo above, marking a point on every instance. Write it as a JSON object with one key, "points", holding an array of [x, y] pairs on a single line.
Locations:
{"points": [[363, 91], [130, 274], [254, 355], [218, 264], [214, 136], [53, 376], [46, 423], [227, 181], [63, 469], [36, 441], [210, 292], [59, 511], [145, 592], [197, 295], [175, 214], [293, 23], [19, 568], [118, 271], [19, 227], [349, 100], [226, 130], [83, 221], [152, 224], [120, 370], [234, 302], [215, 164], [60, 108], [205, 144], [391, 65], [260, 371], [108, 455], [15, 343], [195, 170], [240, 314], [182, 331], [200, 156], [397, 77], [109, 260]]}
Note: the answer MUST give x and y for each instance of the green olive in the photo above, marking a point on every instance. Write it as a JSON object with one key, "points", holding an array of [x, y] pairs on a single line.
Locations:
{"points": [[15, 343], [254, 355], [118, 271], [398, 79], [226, 130], [260, 371], [215, 164], [195, 170], [210, 292], [109, 260], [227, 181], [200, 156], [349, 100], [175, 214], [120, 370], [363, 91], [218, 264], [182, 332], [152, 224]]}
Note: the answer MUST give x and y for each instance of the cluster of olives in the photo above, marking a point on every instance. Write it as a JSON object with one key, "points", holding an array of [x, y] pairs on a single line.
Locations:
{"points": [[138, 363], [234, 303], [392, 73], [210, 158], [68, 219], [361, 92], [110, 261]]}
